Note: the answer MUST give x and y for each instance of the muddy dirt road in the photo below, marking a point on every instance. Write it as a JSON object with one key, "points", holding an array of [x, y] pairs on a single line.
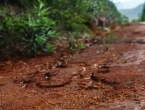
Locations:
{"points": [[96, 78]]}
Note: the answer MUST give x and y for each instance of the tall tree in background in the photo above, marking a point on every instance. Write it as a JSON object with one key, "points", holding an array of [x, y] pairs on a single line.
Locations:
{"points": [[143, 14]]}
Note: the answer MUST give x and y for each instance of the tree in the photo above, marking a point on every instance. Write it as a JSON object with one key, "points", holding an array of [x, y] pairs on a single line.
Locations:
{"points": [[143, 14]]}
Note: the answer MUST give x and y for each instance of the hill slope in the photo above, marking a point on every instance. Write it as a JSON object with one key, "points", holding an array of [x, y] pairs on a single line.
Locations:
{"points": [[132, 13]]}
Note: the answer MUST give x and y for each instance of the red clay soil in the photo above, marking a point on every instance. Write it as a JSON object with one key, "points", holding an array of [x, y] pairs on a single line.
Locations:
{"points": [[110, 77]]}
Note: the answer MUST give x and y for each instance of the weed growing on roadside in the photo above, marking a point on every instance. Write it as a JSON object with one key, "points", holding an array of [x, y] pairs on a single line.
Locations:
{"points": [[81, 46], [109, 39], [51, 48]]}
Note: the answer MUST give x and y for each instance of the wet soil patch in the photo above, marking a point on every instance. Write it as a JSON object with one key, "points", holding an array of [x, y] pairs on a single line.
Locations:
{"points": [[110, 77]]}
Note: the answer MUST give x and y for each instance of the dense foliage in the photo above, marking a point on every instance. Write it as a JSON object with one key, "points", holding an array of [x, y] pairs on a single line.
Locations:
{"points": [[107, 8], [28, 27], [143, 14]]}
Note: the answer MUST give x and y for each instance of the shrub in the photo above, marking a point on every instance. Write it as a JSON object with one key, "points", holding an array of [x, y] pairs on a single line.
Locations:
{"points": [[38, 23], [109, 39], [27, 34]]}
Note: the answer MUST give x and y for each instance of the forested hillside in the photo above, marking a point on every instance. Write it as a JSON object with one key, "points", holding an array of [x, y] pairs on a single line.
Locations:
{"points": [[30, 27]]}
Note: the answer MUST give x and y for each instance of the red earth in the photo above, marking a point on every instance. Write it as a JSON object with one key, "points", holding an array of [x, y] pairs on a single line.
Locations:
{"points": [[110, 77]]}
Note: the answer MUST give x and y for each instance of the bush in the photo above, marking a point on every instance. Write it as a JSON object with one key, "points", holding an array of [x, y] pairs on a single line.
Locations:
{"points": [[27, 34], [38, 23], [109, 39]]}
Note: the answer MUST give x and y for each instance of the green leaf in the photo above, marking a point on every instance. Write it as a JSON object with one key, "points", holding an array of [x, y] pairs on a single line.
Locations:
{"points": [[40, 39], [51, 48], [81, 46]]}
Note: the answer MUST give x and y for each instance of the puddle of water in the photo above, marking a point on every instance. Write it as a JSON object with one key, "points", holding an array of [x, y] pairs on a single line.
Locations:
{"points": [[140, 40], [134, 57], [125, 105], [141, 22]]}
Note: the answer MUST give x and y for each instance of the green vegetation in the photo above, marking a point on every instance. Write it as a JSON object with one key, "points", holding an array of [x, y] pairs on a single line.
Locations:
{"points": [[124, 19], [143, 13], [31, 27], [81, 46], [141, 17], [108, 8], [27, 34], [109, 39]]}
